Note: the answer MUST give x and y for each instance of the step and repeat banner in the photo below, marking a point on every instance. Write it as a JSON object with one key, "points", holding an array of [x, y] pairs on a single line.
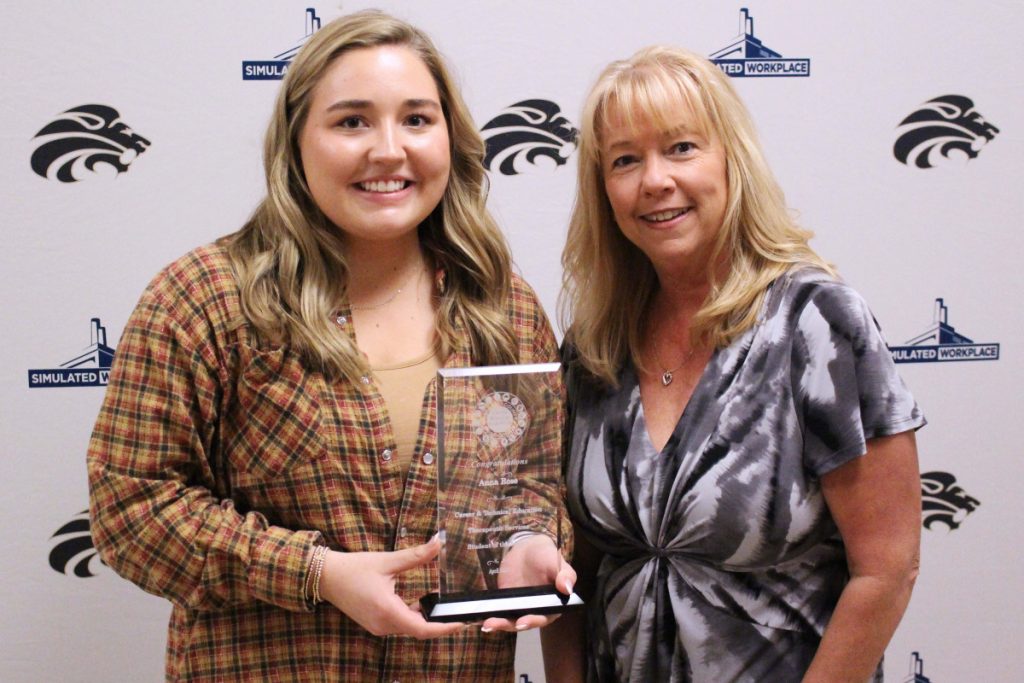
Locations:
{"points": [[132, 132]]}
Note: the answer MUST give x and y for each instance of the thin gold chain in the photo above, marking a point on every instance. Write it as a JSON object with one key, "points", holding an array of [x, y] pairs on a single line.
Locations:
{"points": [[386, 301], [668, 375]]}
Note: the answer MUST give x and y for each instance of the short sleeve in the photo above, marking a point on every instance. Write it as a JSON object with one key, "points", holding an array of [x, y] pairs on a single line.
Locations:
{"points": [[845, 382]]}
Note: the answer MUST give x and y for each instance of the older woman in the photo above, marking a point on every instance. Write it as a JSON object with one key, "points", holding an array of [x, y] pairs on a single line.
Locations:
{"points": [[742, 457], [264, 457]]}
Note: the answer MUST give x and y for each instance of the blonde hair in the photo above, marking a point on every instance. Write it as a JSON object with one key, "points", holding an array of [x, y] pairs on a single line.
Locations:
{"points": [[288, 258], [607, 281]]}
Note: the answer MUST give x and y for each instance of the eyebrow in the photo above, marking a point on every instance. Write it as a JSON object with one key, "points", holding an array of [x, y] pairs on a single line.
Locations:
{"points": [[415, 103], [616, 145], [682, 129]]}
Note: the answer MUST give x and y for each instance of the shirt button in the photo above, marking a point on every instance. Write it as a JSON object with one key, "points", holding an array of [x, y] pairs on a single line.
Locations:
{"points": [[342, 320], [364, 379], [403, 532], [386, 455], [428, 458]]}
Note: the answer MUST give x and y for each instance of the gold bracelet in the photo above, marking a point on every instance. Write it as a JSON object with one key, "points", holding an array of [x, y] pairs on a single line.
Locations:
{"points": [[307, 588], [321, 558]]}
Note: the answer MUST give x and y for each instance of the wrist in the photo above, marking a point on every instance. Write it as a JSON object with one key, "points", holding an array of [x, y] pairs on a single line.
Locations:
{"points": [[333, 561]]}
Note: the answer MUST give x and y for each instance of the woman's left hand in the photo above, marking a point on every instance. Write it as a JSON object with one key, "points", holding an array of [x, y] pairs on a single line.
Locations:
{"points": [[532, 561]]}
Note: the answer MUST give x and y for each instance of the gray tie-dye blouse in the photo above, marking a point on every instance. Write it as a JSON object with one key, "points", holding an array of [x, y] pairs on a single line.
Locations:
{"points": [[722, 562]]}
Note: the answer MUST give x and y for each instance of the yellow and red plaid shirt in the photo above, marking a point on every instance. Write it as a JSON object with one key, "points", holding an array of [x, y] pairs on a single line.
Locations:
{"points": [[217, 466]]}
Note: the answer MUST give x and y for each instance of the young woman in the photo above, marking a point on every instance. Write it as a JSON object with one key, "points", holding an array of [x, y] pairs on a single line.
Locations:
{"points": [[265, 454]]}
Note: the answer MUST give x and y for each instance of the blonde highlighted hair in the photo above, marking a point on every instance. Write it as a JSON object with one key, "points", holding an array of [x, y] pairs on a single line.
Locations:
{"points": [[289, 260], [608, 283]]}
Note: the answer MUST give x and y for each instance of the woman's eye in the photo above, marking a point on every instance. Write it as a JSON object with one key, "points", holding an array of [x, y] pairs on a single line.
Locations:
{"points": [[682, 147], [418, 120], [351, 122], [623, 161]]}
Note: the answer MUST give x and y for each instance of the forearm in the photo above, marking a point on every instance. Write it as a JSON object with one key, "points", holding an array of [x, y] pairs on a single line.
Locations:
{"points": [[864, 620], [564, 647], [876, 503], [181, 544]]}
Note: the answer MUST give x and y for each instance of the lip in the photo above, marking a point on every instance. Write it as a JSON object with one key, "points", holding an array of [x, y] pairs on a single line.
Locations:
{"points": [[678, 213], [380, 192]]}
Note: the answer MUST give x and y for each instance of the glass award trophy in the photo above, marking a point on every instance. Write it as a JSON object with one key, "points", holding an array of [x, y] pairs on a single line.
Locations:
{"points": [[498, 487]]}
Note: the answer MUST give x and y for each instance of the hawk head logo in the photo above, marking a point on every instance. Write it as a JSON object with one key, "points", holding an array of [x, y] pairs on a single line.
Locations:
{"points": [[940, 127], [525, 132], [80, 139], [943, 501], [74, 549]]}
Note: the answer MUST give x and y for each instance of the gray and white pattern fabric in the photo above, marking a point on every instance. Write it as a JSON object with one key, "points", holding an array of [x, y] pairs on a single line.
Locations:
{"points": [[721, 561]]}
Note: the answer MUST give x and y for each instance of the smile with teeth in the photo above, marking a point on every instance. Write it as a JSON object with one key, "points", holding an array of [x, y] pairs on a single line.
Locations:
{"points": [[664, 215], [384, 185]]}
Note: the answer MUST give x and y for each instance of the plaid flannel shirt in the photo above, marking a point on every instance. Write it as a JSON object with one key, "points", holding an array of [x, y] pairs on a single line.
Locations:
{"points": [[217, 466]]}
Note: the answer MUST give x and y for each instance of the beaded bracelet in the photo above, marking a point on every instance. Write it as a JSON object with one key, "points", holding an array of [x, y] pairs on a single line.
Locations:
{"points": [[307, 585], [320, 558], [316, 565]]}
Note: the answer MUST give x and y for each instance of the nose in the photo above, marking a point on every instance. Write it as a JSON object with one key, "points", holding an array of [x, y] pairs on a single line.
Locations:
{"points": [[656, 179], [387, 145]]}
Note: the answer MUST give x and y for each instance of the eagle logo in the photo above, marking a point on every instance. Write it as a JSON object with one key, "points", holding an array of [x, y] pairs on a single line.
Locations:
{"points": [[943, 501], [524, 133], [74, 549], [940, 127], [76, 142]]}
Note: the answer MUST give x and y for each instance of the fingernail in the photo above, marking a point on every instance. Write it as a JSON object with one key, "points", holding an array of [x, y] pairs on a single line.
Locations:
{"points": [[486, 629], [568, 587], [521, 627]]}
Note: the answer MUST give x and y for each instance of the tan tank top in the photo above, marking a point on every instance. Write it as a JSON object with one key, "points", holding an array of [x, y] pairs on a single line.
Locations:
{"points": [[402, 387]]}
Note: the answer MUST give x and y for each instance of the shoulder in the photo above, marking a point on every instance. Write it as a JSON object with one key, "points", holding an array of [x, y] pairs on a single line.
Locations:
{"points": [[803, 284], [533, 330], [835, 337], [521, 294], [201, 280], [846, 384], [196, 293], [203, 272], [816, 300], [523, 306]]}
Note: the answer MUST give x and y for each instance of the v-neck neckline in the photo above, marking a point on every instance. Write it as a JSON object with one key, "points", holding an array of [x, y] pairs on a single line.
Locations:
{"points": [[677, 430]]}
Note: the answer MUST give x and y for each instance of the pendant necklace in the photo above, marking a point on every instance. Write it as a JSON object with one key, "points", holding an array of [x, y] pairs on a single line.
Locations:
{"points": [[668, 375], [391, 298]]}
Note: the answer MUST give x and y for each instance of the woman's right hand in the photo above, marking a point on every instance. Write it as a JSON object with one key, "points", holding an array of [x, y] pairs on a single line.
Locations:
{"points": [[362, 585]]}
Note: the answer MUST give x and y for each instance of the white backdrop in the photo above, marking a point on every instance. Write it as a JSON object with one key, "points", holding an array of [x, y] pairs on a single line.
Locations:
{"points": [[903, 235]]}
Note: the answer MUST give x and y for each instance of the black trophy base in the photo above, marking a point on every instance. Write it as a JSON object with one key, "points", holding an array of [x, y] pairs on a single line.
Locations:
{"points": [[506, 603]]}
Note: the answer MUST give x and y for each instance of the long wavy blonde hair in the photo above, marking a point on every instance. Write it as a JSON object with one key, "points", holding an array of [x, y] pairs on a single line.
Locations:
{"points": [[608, 282], [289, 260]]}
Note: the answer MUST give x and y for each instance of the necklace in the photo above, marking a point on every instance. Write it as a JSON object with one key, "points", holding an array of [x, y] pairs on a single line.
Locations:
{"points": [[668, 375], [384, 303]]}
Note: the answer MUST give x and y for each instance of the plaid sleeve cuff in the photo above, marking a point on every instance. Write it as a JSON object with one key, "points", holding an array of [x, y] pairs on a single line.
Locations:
{"points": [[280, 565]]}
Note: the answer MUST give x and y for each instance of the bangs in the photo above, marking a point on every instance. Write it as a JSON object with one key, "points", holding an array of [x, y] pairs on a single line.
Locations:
{"points": [[649, 94]]}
